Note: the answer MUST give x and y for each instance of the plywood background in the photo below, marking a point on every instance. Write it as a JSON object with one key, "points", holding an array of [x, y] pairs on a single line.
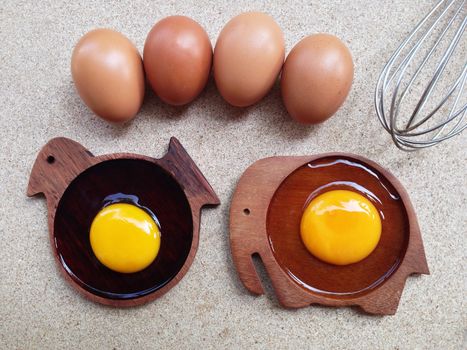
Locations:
{"points": [[210, 309]]}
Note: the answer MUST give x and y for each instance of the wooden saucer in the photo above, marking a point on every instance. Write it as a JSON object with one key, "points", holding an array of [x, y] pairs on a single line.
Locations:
{"points": [[265, 219], [76, 183]]}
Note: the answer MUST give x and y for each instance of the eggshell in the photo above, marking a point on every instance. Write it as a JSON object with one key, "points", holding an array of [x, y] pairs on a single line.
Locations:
{"points": [[108, 74], [316, 78], [177, 59], [248, 57]]}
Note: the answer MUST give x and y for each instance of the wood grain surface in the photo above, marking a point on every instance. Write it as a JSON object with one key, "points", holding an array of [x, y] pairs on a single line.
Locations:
{"points": [[76, 183], [265, 218]]}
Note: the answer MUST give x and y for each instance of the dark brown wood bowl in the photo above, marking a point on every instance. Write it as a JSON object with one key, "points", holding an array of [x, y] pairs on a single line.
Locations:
{"points": [[265, 217], [77, 186]]}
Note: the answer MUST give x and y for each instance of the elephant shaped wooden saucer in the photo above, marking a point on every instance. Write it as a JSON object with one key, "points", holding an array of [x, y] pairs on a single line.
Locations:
{"points": [[265, 220], [76, 185]]}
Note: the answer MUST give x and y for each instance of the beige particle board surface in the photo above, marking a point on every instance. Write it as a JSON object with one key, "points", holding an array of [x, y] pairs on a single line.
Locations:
{"points": [[209, 308]]}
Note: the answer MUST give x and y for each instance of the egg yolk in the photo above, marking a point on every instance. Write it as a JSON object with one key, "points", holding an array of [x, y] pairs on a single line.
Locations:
{"points": [[125, 238], [340, 227]]}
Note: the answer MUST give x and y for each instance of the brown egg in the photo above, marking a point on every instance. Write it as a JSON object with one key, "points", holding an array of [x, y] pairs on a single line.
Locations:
{"points": [[108, 73], [316, 78], [248, 57], [177, 59]]}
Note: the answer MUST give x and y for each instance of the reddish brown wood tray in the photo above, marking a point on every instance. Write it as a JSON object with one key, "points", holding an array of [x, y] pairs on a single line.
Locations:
{"points": [[265, 219], [75, 183]]}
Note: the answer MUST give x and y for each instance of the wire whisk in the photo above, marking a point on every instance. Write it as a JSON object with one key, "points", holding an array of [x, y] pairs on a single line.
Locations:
{"points": [[420, 98]]}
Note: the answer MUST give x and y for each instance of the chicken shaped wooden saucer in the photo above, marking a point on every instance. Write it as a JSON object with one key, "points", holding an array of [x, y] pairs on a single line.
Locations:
{"points": [[278, 199], [85, 192]]}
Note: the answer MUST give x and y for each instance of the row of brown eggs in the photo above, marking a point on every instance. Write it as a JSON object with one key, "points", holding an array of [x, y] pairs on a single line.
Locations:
{"points": [[248, 58]]}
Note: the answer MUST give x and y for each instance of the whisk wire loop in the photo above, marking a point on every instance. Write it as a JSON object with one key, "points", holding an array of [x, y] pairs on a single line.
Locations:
{"points": [[400, 83]]}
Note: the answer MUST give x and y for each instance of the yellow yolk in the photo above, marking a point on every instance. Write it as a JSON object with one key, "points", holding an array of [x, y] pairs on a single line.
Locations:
{"points": [[340, 227], [125, 238]]}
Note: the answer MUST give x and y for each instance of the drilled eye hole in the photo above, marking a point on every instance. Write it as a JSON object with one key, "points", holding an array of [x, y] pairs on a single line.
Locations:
{"points": [[50, 159], [246, 211]]}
